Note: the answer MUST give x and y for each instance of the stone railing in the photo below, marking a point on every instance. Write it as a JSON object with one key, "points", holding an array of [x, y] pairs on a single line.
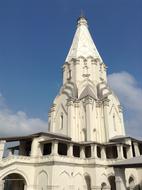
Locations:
{"points": [[52, 158]]}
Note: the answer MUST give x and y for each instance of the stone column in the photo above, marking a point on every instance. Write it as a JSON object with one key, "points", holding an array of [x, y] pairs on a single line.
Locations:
{"points": [[103, 153], [129, 152], [70, 150], [2, 144], [1, 184], [94, 151], [34, 148], [106, 117], [54, 148], [82, 152], [88, 103], [120, 151], [136, 148], [120, 179], [70, 118]]}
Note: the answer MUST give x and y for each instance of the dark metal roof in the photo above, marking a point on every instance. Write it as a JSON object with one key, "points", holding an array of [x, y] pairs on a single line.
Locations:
{"points": [[129, 163], [30, 137], [121, 138]]}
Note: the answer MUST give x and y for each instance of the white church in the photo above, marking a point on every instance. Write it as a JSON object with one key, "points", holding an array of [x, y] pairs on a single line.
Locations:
{"points": [[85, 147]]}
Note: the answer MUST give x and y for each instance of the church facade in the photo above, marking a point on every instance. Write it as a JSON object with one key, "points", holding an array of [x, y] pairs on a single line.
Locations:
{"points": [[86, 147]]}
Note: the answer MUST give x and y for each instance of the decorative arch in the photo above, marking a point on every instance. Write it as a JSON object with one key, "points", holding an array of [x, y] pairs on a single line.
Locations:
{"points": [[16, 171], [64, 172], [131, 182], [78, 181], [104, 181], [42, 180], [64, 180], [78, 174], [14, 181], [89, 84]]}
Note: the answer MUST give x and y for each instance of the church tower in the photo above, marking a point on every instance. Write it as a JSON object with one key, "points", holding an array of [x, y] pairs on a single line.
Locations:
{"points": [[86, 109]]}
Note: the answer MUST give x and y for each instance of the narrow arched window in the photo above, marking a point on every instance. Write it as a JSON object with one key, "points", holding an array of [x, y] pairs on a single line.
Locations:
{"points": [[61, 121], [114, 122], [69, 74]]}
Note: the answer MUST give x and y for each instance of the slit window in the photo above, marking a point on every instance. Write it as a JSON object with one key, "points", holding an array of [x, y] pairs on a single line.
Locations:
{"points": [[47, 149], [98, 152], [111, 152], [114, 122], [88, 151], [62, 149], [61, 121], [76, 151]]}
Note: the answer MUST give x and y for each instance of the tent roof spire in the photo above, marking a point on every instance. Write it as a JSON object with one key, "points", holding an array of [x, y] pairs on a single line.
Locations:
{"points": [[82, 44]]}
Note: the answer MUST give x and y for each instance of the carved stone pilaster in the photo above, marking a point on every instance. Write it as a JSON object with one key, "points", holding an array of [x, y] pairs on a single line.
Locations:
{"points": [[98, 103], [76, 103], [70, 102], [106, 102], [53, 108], [88, 100]]}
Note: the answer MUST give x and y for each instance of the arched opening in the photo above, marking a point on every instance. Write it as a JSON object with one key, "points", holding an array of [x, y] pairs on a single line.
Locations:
{"points": [[14, 182], [112, 183], [103, 186], [61, 121], [42, 180], [88, 182], [131, 183]]}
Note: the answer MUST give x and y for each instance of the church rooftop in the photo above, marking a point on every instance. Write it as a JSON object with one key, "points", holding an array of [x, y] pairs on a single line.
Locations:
{"points": [[82, 43]]}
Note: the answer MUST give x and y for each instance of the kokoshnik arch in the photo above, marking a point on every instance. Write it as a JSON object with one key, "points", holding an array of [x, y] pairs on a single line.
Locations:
{"points": [[86, 147]]}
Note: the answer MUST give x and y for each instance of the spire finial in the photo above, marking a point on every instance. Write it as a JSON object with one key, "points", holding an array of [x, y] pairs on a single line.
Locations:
{"points": [[82, 20]]}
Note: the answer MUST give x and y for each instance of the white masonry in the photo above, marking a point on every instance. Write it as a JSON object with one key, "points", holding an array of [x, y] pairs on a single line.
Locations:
{"points": [[85, 147]]}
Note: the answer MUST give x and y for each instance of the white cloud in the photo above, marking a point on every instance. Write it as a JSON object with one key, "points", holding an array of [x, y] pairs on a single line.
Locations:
{"points": [[18, 123], [130, 94]]}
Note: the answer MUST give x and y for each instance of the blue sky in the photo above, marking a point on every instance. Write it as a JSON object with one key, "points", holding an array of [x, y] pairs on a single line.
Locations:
{"points": [[35, 37]]}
